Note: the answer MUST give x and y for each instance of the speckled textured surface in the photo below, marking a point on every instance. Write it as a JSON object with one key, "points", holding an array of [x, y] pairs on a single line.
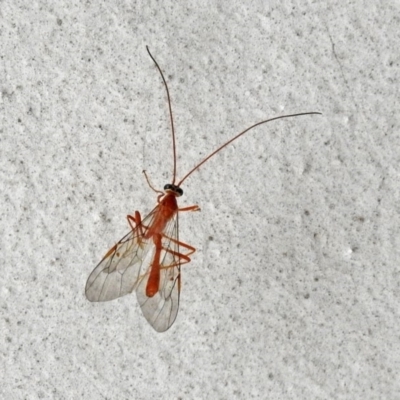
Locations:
{"points": [[293, 292]]}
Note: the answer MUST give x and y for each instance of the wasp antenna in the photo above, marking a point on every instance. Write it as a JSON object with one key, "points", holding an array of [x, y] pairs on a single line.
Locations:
{"points": [[170, 115], [238, 136]]}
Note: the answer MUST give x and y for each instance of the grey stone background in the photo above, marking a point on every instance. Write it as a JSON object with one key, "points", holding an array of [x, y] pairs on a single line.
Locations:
{"points": [[293, 292]]}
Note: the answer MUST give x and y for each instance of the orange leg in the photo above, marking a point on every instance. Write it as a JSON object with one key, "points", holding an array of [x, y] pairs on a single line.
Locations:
{"points": [[190, 208], [183, 258], [137, 220], [154, 277]]}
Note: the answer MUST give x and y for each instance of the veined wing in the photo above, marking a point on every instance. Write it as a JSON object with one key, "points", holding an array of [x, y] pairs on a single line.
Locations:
{"points": [[161, 309], [118, 273]]}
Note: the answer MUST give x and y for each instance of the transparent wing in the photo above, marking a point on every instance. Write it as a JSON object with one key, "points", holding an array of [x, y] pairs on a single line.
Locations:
{"points": [[161, 309], [118, 273]]}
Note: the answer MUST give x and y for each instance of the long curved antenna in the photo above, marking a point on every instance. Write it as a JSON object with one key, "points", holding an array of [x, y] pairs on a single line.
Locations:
{"points": [[238, 136], [170, 114]]}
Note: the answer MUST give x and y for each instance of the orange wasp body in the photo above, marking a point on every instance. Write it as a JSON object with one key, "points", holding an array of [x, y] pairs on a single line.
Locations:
{"points": [[149, 257]]}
